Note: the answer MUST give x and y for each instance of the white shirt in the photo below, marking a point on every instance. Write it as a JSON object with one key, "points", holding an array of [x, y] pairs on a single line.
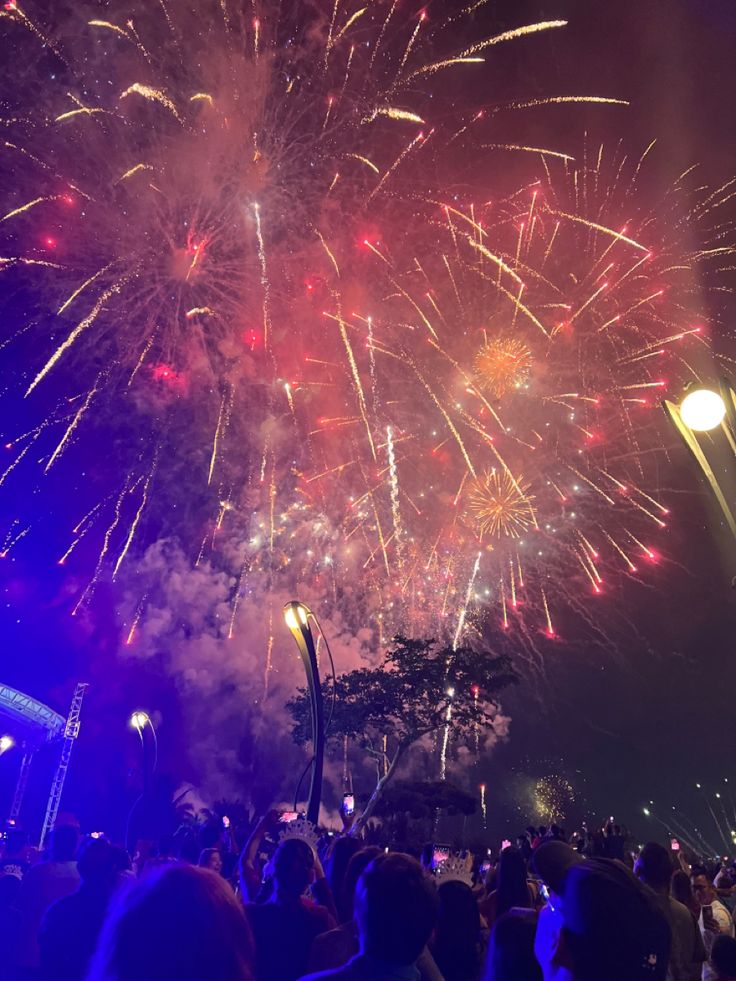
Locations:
{"points": [[725, 925]]}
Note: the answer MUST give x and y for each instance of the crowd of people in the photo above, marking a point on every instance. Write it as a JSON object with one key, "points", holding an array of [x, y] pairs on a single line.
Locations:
{"points": [[296, 903]]}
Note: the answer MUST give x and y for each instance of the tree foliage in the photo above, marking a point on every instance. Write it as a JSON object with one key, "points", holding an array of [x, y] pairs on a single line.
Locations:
{"points": [[419, 687], [423, 798]]}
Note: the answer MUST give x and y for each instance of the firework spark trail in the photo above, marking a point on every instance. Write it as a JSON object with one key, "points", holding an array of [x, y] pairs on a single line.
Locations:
{"points": [[220, 428], [73, 425], [137, 367], [12, 538], [419, 138], [381, 34], [136, 620], [550, 628], [244, 570], [474, 49], [269, 655], [88, 282], [265, 283], [360, 394], [105, 547], [8, 470], [133, 525], [394, 486], [78, 330], [410, 44], [464, 609], [152, 95]]}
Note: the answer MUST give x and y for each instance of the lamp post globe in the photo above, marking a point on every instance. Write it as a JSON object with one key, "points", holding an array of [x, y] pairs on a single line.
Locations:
{"points": [[139, 720], [702, 410]]}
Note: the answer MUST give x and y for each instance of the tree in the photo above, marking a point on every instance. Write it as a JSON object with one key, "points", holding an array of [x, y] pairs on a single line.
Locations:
{"points": [[419, 688], [409, 808]]}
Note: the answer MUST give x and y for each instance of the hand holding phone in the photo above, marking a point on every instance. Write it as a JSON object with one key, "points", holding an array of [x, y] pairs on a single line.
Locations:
{"points": [[440, 854], [288, 816], [709, 920], [348, 804], [225, 821]]}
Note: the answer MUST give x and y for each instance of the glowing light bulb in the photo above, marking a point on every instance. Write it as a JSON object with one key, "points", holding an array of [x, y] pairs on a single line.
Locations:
{"points": [[702, 410], [296, 615]]}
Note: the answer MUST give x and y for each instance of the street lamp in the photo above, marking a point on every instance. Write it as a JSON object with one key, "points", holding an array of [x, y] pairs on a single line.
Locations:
{"points": [[703, 410], [297, 615], [139, 720], [6, 743]]}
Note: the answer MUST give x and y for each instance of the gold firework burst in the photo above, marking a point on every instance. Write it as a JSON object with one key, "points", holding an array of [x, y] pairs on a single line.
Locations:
{"points": [[499, 505], [502, 365], [552, 795]]}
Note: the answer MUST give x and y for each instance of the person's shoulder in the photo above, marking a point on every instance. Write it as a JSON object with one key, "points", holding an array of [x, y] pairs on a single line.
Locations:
{"points": [[679, 911]]}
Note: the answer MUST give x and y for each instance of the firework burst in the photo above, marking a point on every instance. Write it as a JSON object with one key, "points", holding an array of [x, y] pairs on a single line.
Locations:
{"points": [[552, 795], [241, 257], [500, 506], [502, 365]]}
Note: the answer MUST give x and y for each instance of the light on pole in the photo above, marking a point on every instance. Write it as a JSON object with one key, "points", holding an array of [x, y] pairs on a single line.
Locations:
{"points": [[297, 615], [703, 410], [6, 743], [139, 720]]}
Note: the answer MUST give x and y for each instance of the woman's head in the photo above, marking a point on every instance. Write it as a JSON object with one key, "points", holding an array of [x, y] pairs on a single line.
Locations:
{"points": [[511, 951], [457, 934], [681, 888], [178, 923], [342, 851], [360, 861], [511, 881], [293, 867], [211, 858]]}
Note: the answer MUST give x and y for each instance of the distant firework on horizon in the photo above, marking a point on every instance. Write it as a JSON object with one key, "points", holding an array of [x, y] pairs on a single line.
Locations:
{"points": [[239, 258]]}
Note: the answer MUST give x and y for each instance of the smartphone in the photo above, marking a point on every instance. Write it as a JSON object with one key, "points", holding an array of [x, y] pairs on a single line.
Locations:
{"points": [[288, 816], [440, 854], [225, 821], [97, 834], [505, 844], [348, 804], [485, 868], [709, 921], [675, 845]]}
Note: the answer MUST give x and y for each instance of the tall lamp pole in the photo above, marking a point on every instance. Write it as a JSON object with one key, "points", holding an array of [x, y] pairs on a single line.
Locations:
{"points": [[296, 615], [702, 411]]}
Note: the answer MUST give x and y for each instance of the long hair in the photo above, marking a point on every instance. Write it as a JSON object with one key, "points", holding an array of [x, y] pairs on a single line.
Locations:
{"points": [[511, 951], [342, 851], [179, 923], [456, 943], [512, 887]]}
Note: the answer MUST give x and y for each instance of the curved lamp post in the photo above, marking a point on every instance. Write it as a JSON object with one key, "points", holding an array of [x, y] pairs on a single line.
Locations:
{"points": [[297, 615], [139, 720], [701, 411]]}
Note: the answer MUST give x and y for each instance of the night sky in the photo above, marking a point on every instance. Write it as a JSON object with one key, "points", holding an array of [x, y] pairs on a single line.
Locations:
{"points": [[650, 711]]}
